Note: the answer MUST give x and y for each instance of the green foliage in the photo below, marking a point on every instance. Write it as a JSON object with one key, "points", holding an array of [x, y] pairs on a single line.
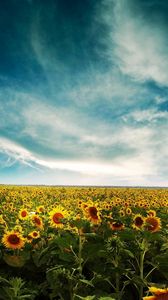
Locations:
{"points": [[14, 289], [86, 260]]}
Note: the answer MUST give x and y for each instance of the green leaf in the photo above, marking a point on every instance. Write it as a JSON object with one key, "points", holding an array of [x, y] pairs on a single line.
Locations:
{"points": [[164, 247], [4, 280], [128, 252], [106, 298], [87, 282]]}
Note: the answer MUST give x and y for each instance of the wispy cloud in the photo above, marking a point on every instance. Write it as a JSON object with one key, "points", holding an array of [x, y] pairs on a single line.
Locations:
{"points": [[138, 45], [147, 115], [125, 168]]}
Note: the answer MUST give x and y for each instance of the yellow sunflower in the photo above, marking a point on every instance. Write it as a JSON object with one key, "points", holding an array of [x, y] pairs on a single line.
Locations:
{"points": [[13, 240], [152, 224], [151, 213], [117, 225], [128, 211], [40, 209], [34, 234], [57, 215], [92, 214], [37, 221], [159, 294], [23, 214], [122, 212], [138, 221]]}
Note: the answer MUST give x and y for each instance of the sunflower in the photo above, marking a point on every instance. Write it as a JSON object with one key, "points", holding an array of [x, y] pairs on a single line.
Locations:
{"points": [[151, 213], [57, 215], [40, 209], [128, 211], [92, 213], [122, 212], [34, 234], [138, 221], [152, 224], [23, 214], [13, 240], [117, 225], [159, 294], [37, 221]]}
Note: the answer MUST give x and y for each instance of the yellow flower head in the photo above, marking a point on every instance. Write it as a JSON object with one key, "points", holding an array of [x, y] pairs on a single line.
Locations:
{"points": [[13, 240], [153, 224], [37, 221], [122, 212], [34, 234], [117, 225], [128, 211], [151, 213], [57, 215], [138, 221], [92, 213], [23, 214], [40, 209]]}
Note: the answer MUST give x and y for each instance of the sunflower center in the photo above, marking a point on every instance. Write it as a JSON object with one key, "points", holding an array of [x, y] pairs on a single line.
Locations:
{"points": [[37, 221], [152, 224], [117, 224], [56, 218], [23, 213], [14, 239], [138, 221], [35, 234], [93, 212]]}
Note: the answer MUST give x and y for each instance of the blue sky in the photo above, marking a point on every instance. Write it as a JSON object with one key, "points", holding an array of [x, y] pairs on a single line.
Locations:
{"points": [[84, 92]]}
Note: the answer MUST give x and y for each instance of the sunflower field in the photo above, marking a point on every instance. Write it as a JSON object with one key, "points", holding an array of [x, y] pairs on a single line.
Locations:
{"points": [[70, 243]]}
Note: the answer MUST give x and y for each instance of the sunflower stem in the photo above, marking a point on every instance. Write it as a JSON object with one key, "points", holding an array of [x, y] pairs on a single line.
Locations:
{"points": [[118, 286], [144, 248], [80, 254], [117, 281]]}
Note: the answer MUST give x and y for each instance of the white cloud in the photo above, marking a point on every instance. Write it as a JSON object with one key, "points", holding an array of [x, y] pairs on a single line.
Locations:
{"points": [[92, 137], [147, 115], [106, 88], [139, 46], [140, 165], [160, 100]]}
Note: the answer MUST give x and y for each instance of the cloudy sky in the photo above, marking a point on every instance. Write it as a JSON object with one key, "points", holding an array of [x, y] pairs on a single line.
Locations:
{"points": [[84, 92]]}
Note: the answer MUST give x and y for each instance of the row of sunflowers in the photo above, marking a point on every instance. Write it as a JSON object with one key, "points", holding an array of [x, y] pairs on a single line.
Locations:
{"points": [[83, 243]]}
